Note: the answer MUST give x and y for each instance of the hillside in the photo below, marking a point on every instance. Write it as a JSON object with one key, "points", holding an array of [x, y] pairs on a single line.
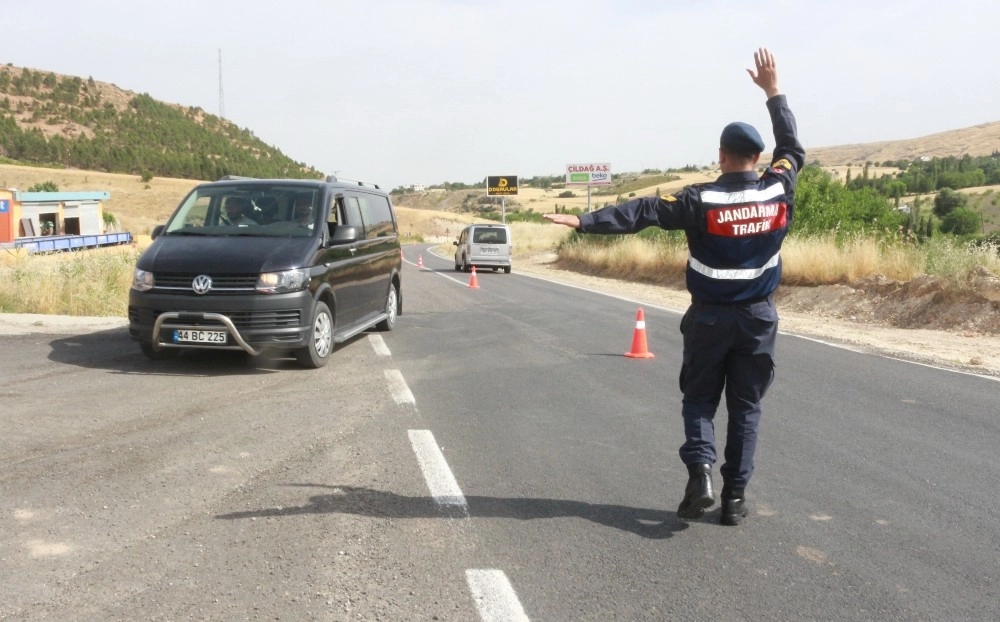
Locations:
{"points": [[56, 120], [979, 140]]}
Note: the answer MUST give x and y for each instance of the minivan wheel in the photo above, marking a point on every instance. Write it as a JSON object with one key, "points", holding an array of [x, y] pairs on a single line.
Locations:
{"points": [[390, 310], [506, 269], [317, 352], [156, 354]]}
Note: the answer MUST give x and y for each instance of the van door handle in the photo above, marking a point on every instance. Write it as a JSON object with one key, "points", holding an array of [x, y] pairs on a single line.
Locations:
{"points": [[354, 251]]}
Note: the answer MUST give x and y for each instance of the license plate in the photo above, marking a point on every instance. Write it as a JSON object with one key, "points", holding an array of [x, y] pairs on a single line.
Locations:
{"points": [[199, 336], [488, 250]]}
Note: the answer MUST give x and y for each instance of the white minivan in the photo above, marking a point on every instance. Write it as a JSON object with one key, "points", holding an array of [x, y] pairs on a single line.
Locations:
{"points": [[483, 246]]}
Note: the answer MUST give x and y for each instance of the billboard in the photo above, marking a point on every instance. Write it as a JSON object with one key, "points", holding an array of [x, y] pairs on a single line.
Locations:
{"points": [[501, 185], [588, 174]]}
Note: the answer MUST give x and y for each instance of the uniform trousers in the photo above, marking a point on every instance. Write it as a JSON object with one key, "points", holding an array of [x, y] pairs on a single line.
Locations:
{"points": [[731, 347]]}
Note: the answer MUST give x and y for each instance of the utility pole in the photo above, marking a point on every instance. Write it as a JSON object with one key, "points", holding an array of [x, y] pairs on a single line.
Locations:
{"points": [[222, 97]]}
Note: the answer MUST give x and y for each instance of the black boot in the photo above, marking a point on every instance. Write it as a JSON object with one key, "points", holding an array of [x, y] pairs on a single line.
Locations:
{"points": [[734, 506], [699, 494]]}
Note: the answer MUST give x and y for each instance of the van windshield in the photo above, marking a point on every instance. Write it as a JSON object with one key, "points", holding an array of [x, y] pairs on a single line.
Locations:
{"points": [[489, 236], [248, 209]]}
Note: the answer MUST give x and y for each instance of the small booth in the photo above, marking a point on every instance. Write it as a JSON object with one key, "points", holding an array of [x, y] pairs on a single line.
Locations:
{"points": [[46, 221]]}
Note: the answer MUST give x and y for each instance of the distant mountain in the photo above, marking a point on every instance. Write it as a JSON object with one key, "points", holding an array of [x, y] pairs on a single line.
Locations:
{"points": [[979, 140], [64, 121]]}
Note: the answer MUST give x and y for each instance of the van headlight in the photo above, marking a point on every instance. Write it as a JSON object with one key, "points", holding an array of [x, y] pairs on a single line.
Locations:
{"points": [[282, 282], [142, 280]]}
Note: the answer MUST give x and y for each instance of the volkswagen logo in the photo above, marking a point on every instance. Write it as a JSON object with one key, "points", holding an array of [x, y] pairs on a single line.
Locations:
{"points": [[201, 284]]}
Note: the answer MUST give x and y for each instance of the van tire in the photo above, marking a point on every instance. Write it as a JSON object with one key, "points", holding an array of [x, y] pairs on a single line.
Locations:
{"points": [[317, 352], [506, 269], [391, 304]]}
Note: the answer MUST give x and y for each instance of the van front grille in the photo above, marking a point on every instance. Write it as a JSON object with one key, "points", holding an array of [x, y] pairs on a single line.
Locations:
{"points": [[221, 284]]}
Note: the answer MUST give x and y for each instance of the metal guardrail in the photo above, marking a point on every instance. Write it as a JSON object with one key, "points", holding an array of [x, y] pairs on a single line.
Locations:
{"points": [[51, 243]]}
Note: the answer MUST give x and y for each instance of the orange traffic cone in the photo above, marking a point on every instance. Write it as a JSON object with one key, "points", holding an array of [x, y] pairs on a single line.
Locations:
{"points": [[639, 349], [473, 281], [420, 262]]}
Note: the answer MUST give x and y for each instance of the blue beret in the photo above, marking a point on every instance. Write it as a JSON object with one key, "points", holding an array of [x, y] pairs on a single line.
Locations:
{"points": [[741, 137]]}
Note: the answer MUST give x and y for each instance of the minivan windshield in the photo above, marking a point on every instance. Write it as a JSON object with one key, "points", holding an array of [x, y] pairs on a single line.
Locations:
{"points": [[247, 209]]}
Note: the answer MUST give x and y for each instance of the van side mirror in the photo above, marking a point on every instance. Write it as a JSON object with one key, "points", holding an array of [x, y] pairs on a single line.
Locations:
{"points": [[157, 230], [344, 234]]}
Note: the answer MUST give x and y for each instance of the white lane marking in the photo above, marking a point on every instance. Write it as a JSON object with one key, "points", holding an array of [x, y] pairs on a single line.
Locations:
{"points": [[397, 385], [495, 599], [438, 476], [378, 344]]}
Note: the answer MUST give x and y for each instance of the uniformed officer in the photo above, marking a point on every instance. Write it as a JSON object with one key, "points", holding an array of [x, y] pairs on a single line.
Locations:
{"points": [[735, 227]]}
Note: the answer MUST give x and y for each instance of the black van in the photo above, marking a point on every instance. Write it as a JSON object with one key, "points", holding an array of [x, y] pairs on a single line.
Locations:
{"points": [[256, 264]]}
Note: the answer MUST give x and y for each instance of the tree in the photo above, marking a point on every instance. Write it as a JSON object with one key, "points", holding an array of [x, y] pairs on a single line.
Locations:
{"points": [[961, 221], [947, 200], [825, 205]]}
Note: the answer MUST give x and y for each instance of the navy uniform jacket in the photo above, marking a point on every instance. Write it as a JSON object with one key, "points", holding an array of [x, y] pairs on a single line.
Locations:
{"points": [[734, 225]]}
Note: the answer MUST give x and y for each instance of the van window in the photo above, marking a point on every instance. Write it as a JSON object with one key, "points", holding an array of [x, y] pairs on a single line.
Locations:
{"points": [[352, 212], [377, 215], [489, 236]]}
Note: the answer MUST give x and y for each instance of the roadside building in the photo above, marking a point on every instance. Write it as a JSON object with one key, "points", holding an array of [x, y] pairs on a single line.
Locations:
{"points": [[54, 220]]}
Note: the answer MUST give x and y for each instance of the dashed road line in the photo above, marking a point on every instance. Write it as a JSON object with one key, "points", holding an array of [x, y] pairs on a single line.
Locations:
{"points": [[438, 476], [492, 592], [495, 598], [378, 344], [397, 386]]}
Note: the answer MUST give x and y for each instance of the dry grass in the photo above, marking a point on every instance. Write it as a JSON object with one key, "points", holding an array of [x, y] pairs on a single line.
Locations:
{"points": [[806, 261], [91, 283], [821, 261]]}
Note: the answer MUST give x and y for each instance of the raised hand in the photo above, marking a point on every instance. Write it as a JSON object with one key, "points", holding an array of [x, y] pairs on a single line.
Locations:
{"points": [[766, 76]]}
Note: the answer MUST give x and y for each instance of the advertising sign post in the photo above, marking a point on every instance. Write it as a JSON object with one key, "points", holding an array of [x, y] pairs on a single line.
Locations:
{"points": [[501, 186], [598, 174]]}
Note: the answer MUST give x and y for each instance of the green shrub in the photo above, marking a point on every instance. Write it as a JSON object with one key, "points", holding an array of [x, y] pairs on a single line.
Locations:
{"points": [[45, 186]]}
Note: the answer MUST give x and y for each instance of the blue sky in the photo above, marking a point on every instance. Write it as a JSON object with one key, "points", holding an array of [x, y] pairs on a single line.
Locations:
{"points": [[427, 91]]}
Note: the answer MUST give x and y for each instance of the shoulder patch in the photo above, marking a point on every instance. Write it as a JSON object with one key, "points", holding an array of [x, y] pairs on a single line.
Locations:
{"points": [[783, 163], [669, 198]]}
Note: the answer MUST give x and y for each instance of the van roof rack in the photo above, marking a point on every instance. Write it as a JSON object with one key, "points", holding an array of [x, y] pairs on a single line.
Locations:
{"points": [[334, 179]]}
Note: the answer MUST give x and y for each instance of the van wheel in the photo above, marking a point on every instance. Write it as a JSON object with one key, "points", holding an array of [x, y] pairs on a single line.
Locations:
{"points": [[156, 354], [317, 352], [506, 269], [390, 310]]}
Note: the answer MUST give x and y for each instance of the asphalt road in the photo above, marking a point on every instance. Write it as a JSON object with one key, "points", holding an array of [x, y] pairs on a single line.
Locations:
{"points": [[495, 457]]}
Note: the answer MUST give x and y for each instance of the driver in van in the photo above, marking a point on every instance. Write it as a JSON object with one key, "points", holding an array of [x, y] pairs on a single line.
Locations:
{"points": [[303, 212], [236, 208]]}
